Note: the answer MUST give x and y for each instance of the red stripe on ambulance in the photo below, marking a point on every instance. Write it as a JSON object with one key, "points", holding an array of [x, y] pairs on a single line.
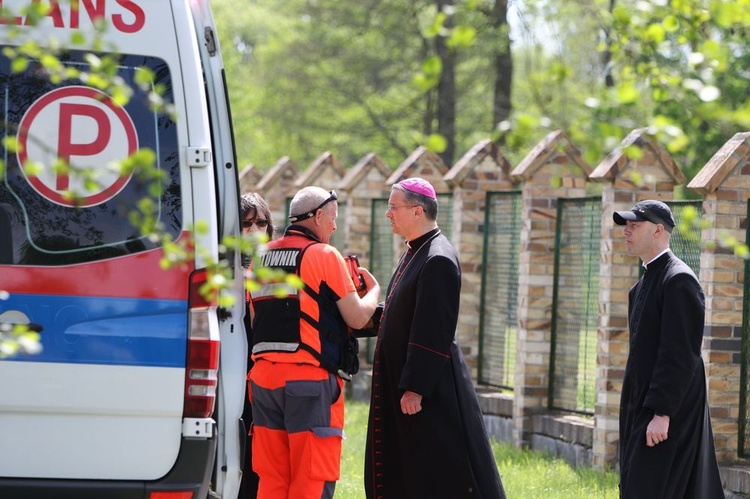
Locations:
{"points": [[121, 277]]}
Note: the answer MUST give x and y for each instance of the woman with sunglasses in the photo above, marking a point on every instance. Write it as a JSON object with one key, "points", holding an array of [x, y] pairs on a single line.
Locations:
{"points": [[256, 217]]}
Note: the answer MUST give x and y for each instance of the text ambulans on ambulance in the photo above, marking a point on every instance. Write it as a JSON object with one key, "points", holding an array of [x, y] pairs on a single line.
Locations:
{"points": [[139, 388]]}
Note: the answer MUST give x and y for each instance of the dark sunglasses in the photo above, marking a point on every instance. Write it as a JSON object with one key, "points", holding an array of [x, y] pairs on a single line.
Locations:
{"points": [[260, 222], [310, 214]]}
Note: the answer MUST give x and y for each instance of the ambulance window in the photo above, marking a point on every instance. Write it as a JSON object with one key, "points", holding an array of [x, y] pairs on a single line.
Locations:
{"points": [[39, 223]]}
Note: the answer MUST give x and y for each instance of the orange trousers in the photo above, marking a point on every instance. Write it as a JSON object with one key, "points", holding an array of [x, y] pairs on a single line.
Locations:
{"points": [[298, 428]]}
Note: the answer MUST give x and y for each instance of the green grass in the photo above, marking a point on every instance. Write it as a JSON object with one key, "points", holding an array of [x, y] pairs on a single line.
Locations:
{"points": [[352, 482], [525, 474], [530, 475]]}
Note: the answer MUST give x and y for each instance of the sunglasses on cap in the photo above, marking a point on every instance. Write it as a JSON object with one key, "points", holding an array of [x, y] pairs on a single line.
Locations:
{"points": [[311, 213]]}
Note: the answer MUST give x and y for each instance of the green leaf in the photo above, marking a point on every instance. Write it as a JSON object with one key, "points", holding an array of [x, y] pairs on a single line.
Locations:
{"points": [[462, 37], [145, 157], [723, 14], [432, 66], [121, 95], [19, 64], [77, 38], [422, 83], [32, 168], [226, 300], [8, 348], [50, 62], [627, 93], [713, 50], [671, 24], [633, 152], [678, 143], [661, 94], [437, 25], [621, 15], [201, 227], [37, 9], [655, 33], [144, 76], [559, 72], [636, 178], [436, 143], [741, 250], [11, 143]]}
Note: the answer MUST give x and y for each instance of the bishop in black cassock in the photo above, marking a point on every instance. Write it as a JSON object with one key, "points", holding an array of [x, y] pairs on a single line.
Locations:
{"points": [[426, 436]]}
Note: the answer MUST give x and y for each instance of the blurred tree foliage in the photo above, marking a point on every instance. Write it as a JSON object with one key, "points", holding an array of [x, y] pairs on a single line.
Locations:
{"points": [[307, 76], [353, 77], [677, 67]]}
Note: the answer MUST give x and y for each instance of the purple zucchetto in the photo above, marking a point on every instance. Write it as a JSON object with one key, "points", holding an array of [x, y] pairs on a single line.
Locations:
{"points": [[419, 186]]}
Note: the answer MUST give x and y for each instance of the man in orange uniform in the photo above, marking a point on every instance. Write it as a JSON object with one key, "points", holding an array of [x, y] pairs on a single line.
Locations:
{"points": [[303, 349]]}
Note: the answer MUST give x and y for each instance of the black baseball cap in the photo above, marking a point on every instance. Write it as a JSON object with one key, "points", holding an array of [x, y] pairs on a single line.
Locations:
{"points": [[649, 210]]}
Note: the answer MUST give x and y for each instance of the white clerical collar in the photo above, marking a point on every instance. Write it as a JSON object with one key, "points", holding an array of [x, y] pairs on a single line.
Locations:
{"points": [[645, 265]]}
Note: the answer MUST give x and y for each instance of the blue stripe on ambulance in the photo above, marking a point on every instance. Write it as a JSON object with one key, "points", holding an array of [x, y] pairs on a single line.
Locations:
{"points": [[113, 331]]}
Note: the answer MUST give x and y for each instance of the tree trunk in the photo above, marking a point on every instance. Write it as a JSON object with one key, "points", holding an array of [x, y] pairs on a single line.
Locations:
{"points": [[501, 104], [609, 80], [446, 91]]}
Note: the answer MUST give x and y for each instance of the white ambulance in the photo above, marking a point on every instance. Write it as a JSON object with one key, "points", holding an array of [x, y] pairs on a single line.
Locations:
{"points": [[139, 389]]}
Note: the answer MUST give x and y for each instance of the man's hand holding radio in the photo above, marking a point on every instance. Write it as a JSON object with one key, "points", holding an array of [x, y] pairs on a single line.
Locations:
{"points": [[362, 278], [368, 281]]}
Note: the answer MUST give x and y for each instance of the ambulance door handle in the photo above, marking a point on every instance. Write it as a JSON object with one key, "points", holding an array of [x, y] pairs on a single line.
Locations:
{"points": [[210, 37]]}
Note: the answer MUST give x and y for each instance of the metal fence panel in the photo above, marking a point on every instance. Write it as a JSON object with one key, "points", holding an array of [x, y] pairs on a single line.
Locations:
{"points": [[686, 243], [575, 309], [445, 214], [499, 295], [382, 261], [744, 419]]}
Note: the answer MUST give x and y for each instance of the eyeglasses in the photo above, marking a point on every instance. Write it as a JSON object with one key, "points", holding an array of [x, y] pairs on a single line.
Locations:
{"points": [[311, 213], [394, 207], [260, 222]]}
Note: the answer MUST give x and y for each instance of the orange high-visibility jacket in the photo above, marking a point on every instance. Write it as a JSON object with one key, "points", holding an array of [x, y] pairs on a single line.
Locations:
{"points": [[303, 325]]}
